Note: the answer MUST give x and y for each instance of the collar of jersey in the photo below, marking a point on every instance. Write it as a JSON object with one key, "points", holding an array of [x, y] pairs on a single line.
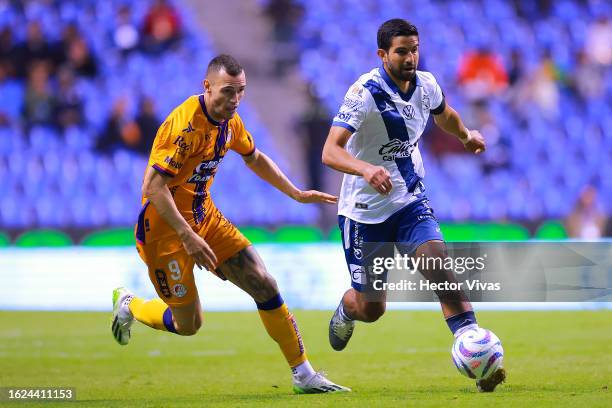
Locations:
{"points": [[210, 119], [405, 96]]}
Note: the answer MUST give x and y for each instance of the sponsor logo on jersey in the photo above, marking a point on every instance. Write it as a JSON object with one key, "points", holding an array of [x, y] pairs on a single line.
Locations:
{"points": [[408, 111], [189, 128], [396, 148], [358, 253], [173, 163], [425, 102], [352, 104], [357, 239], [204, 171], [162, 282], [182, 146], [344, 116], [356, 274]]}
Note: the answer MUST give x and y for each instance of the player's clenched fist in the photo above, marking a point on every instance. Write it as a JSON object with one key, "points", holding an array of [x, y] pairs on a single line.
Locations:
{"points": [[379, 178], [197, 248], [475, 143]]}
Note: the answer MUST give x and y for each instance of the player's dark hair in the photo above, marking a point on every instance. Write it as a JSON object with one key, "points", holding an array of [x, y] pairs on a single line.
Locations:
{"points": [[225, 62], [395, 27]]}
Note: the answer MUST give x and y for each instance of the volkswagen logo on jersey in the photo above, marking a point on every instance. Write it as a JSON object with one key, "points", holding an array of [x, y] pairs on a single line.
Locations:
{"points": [[408, 111], [396, 148]]}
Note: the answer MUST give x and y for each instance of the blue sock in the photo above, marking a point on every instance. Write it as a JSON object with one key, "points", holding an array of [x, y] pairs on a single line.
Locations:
{"points": [[168, 321], [461, 320]]}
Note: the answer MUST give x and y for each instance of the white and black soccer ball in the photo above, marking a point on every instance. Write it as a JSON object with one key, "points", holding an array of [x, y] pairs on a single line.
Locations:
{"points": [[477, 353]]}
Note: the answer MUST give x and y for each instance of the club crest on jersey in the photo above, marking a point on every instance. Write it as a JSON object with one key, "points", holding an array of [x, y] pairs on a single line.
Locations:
{"points": [[228, 136], [179, 290], [396, 148], [182, 146], [357, 90]]}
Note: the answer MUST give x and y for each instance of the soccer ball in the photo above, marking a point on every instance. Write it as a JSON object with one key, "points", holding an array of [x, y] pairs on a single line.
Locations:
{"points": [[477, 353]]}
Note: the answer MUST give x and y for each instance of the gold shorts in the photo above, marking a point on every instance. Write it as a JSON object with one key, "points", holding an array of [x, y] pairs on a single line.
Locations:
{"points": [[171, 268]]}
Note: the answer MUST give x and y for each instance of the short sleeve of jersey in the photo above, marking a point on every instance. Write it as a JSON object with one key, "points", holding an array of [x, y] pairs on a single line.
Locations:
{"points": [[436, 97], [354, 108], [242, 141], [171, 147]]}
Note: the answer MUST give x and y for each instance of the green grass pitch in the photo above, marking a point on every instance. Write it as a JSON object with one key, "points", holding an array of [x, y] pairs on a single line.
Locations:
{"points": [[553, 359]]}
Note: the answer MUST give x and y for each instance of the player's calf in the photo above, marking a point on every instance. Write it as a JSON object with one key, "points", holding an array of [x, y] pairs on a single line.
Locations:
{"points": [[357, 308], [187, 319]]}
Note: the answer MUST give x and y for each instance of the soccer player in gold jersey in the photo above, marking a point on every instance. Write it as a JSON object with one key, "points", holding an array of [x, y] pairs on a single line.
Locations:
{"points": [[180, 227]]}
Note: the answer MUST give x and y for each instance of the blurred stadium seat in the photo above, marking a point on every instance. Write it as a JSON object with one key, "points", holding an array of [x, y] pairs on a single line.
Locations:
{"points": [[551, 158], [537, 165], [74, 185]]}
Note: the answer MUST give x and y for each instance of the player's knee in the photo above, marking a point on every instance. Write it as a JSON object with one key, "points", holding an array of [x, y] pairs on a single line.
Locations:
{"points": [[187, 330], [372, 311], [267, 288], [198, 321], [190, 329]]}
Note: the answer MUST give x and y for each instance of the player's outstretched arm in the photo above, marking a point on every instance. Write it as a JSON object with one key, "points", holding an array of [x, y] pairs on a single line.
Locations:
{"points": [[155, 189], [450, 121], [336, 157], [265, 168]]}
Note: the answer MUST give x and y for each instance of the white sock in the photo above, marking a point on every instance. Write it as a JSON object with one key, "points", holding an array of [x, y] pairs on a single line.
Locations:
{"points": [[302, 371], [343, 314]]}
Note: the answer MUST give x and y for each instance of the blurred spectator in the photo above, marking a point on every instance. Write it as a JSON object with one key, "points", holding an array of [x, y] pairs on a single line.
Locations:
{"points": [[162, 27], [80, 58], [8, 52], [543, 88], [540, 88], [124, 132], [586, 221], [147, 122], [69, 102], [125, 35], [516, 71], [284, 16], [40, 103], [598, 43], [587, 79], [314, 127], [481, 74], [34, 49], [10, 105], [70, 33]]}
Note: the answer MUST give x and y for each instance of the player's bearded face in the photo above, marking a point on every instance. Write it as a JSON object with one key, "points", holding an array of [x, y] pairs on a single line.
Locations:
{"points": [[402, 58], [225, 92]]}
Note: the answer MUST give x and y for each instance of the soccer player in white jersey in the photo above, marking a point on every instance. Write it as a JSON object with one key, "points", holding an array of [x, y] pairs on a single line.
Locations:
{"points": [[374, 141]]}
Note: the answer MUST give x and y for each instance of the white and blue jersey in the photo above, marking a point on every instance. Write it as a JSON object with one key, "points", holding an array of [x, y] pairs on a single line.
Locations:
{"points": [[387, 125]]}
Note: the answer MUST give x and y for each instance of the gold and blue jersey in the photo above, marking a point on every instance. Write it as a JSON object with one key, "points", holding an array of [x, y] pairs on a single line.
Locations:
{"points": [[188, 147]]}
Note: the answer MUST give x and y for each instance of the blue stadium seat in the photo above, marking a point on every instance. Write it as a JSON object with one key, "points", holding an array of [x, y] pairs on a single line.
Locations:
{"points": [[538, 147]]}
